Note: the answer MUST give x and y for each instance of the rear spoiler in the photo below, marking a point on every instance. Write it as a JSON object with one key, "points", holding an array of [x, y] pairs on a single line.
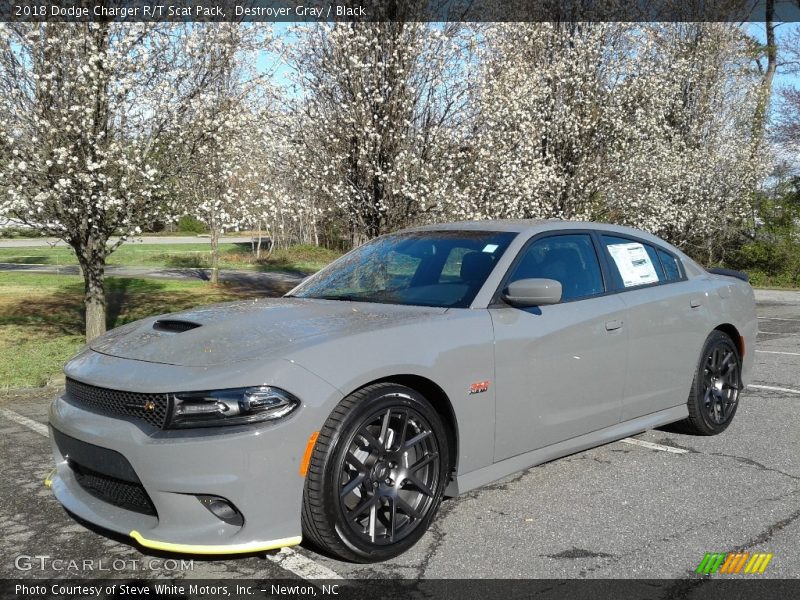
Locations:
{"points": [[730, 273]]}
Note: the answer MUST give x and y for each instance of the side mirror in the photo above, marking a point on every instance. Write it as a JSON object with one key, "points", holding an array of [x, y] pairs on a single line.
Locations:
{"points": [[532, 292]]}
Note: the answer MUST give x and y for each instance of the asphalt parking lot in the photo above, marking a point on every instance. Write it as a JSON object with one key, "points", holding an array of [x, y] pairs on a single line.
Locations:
{"points": [[623, 510]]}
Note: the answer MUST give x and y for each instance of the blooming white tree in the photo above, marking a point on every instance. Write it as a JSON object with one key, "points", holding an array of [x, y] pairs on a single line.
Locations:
{"points": [[89, 113], [643, 124], [221, 172], [278, 200], [105, 127], [379, 105], [547, 134], [696, 162], [786, 124]]}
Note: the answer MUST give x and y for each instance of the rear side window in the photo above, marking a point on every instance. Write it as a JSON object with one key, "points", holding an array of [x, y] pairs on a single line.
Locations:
{"points": [[633, 263], [670, 263], [651, 252], [569, 259]]}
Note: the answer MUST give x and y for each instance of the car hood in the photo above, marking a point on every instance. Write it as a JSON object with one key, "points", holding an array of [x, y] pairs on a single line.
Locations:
{"points": [[251, 329]]}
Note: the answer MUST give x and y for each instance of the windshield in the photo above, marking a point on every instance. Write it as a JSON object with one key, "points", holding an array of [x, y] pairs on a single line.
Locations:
{"points": [[426, 268]]}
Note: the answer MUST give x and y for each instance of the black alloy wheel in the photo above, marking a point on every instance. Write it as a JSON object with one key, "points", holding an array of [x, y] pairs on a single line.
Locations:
{"points": [[377, 474], [720, 383], [714, 396], [389, 475]]}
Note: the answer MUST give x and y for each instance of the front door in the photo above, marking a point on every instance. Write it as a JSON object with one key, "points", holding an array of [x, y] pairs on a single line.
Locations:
{"points": [[560, 369]]}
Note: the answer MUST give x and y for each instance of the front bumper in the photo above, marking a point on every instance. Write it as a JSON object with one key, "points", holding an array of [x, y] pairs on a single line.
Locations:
{"points": [[256, 468]]}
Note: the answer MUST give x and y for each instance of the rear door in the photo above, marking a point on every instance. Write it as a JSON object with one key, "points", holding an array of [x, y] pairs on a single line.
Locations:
{"points": [[560, 369], [666, 323]]}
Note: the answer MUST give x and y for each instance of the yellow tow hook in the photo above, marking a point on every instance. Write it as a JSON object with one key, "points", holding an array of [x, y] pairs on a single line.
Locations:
{"points": [[48, 481]]}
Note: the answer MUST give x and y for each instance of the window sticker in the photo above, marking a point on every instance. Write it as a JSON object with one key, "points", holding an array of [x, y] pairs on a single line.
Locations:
{"points": [[490, 248], [634, 264]]}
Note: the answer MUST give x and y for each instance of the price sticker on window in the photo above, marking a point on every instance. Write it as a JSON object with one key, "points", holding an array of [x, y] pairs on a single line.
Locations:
{"points": [[633, 263]]}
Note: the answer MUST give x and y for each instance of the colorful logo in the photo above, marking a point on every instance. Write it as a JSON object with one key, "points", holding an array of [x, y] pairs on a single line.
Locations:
{"points": [[479, 387], [733, 563]]}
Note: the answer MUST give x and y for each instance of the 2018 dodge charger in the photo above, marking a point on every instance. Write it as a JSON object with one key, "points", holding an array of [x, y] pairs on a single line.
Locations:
{"points": [[422, 364]]}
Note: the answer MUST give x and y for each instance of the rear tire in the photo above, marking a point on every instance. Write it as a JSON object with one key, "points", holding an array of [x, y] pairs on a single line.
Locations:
{"points": [[377, 474], [714, 396]]}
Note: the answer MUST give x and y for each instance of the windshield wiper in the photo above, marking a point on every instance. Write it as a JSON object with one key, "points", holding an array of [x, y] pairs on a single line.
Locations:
{"points": [[345, 297]]}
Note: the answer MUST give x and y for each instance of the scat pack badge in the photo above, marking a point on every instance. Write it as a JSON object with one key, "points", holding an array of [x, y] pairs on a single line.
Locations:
{"points": [[479, 387]]}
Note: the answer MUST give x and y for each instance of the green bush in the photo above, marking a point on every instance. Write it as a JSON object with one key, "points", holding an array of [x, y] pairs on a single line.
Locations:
{"points": [[772, 255], [773, 263], [18, 232], [760, 279], [189, 224]]}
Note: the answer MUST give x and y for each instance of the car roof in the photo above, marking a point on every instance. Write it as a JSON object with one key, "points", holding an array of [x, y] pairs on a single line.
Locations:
{"points": [[531, 226], [515, 225]]}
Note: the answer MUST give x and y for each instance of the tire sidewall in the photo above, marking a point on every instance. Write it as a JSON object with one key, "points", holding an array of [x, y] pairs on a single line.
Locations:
{"points": [[377, 402]]}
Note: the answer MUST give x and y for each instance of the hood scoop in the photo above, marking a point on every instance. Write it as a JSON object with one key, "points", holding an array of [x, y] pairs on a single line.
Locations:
{"points": [[174, 325]]}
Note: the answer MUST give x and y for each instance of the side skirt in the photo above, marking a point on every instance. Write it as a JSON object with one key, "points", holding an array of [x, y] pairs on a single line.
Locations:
{"points": [[474, 479]]}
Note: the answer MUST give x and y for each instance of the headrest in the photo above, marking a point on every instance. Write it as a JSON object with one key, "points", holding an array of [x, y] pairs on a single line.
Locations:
{"points": [[476, 266]]}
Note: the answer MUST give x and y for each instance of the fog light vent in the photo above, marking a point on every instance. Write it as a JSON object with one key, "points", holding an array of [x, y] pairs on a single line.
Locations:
{"points": [[221, 508]]}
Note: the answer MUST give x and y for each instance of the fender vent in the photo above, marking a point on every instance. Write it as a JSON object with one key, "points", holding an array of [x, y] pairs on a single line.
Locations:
{"points": [[174, 325]]}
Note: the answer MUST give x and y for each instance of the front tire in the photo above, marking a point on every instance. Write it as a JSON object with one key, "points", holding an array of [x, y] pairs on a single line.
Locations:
{"points": [[377, 474], [714, 396]]}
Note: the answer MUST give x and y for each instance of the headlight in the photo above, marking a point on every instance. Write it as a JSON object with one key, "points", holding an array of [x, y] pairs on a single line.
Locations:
{"points": [[230, 407]]}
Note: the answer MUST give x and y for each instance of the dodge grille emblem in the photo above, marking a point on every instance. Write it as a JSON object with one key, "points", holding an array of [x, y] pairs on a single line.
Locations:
{"points": [[148, 406]]}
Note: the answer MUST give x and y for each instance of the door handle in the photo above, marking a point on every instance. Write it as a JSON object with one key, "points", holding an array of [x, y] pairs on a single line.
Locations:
{"points": [[612, 325], [695, 302]]}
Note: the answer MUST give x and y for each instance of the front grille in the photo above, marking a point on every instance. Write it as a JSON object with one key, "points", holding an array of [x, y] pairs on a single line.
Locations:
{"points": [[125, 494], [104, 473], [151, 408]]}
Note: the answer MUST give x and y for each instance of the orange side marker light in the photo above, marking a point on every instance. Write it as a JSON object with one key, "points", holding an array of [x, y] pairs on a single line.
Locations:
{"points": [[307, 455]]}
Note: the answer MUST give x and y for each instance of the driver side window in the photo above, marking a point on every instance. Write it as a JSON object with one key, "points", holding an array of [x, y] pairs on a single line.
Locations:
{"points": [[569, 259]]}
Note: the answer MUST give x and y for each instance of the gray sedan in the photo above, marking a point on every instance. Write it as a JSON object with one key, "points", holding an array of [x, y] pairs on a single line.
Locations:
{"points": [[423, 364]]}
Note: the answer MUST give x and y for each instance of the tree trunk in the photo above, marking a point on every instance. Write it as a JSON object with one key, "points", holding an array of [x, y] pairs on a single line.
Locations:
{"points": [[214, 251], [94, 299], [762, 106], [271, 235]]}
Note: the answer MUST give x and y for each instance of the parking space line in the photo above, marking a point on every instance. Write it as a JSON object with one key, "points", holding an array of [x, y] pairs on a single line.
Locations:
{"points": [[771, 388], [25, 421], [777, 319], [652, 446], [776, 333], [776, 352], [301, 566]]}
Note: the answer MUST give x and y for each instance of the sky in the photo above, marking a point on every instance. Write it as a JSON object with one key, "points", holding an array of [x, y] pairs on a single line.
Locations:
{"points": [[782, 79]]}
